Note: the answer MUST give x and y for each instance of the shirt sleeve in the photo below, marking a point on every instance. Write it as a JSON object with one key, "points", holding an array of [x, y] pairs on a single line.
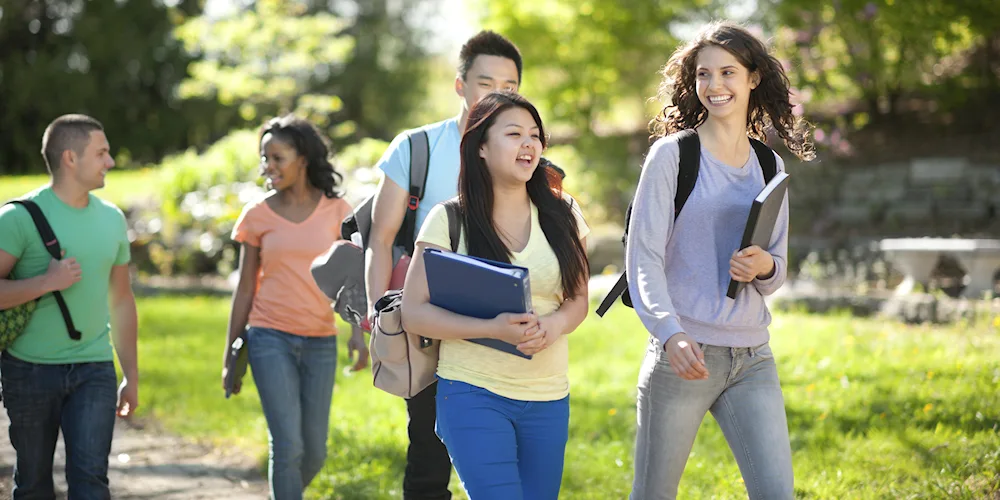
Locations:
{"points": [[245, 231], [12, 230], [778, 248], [341, 212], [649, 230], [435, 228], [395, 162], [124, 255]]}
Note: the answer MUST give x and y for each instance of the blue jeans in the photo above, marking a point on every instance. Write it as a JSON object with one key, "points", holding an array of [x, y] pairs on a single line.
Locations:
{"points": [[294, 377], [40, 399], [743, 394], [502, 448]]}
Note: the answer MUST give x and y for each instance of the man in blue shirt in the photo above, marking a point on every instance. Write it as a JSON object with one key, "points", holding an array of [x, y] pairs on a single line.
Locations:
{"points": [[488, 62]]}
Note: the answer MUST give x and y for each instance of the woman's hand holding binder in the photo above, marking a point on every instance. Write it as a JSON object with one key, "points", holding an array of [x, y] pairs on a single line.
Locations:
{"points": [[516, 328]]}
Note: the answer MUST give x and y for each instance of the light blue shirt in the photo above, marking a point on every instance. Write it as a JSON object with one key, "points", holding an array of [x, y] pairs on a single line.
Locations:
{"points": [[443, 166]]}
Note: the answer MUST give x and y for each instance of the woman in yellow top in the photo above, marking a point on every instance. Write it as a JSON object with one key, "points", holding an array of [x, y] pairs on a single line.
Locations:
{"points": [[504, 418]]}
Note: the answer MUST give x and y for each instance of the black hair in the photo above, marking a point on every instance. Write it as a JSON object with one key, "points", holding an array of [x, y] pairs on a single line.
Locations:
{"points": [[487, 43], [308, 142]]}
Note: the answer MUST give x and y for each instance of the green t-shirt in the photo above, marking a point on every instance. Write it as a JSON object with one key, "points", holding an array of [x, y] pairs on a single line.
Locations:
{"points": [[97, 237]]}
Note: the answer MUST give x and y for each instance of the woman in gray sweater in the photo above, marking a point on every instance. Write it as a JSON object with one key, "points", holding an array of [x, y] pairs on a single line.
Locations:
{"points": [[708, 352]]}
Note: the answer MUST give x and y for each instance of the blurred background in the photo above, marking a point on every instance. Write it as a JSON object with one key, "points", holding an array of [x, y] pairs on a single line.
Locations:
{"points": [[903, 95]]}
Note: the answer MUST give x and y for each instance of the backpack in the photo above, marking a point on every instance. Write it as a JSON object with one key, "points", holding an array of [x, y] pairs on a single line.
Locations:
{"points": [[687, 176], [404, 364], [340, 272], [13, 321]]}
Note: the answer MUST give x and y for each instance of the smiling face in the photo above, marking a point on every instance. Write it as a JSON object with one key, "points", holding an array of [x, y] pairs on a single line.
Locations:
{"points": [[280, 163], [90, 166], [723, 84], [486, 74], [513, 146]]}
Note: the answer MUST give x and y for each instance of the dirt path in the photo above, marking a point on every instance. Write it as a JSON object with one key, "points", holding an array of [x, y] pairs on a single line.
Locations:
{"points": [[146, 464]]}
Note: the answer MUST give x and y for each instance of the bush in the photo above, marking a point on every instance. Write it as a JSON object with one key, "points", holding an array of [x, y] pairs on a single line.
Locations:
{"points": [[187, 231]]}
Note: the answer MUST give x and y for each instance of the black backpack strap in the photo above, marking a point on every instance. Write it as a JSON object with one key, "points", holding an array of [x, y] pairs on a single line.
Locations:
{"points": [[687, 173], [419, 159], [52, 246], [687, 176], [454, 223], [765, 156]]}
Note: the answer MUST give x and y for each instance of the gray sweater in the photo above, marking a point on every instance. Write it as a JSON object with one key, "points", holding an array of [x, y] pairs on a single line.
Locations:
{"points": [[679, 270]]}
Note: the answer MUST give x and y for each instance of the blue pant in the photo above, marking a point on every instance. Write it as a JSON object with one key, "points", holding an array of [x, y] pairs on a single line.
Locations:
{"points": [[503, 448], [40, 399], [294, 376]]}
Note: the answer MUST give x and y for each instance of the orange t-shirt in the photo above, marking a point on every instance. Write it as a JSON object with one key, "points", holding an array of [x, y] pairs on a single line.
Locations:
{"points": [[287, 297]]}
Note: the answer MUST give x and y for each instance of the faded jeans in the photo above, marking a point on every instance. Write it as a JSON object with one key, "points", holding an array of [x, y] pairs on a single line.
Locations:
{"points": [[294, 376], [744, 395]]}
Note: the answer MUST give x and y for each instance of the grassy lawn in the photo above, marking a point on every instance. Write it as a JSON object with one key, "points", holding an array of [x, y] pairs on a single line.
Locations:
{"points": [[876, 410], [122, 185]]}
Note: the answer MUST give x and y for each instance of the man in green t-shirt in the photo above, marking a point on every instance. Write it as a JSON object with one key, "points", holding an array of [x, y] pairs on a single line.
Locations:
{"points": [[51, 381]]}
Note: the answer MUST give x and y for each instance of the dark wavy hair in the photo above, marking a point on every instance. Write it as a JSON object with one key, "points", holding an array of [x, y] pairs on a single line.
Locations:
{"points": [[308, 142], [475, 195], [770, 106]]}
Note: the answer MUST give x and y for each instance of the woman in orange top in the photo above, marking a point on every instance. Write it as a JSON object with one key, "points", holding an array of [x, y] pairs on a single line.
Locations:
{"points": [[292, 336]]}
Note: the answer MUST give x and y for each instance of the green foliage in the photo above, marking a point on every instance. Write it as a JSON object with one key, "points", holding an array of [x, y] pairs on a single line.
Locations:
{"points": [[111, 59], [351, 73], [264, 60], [875, 410], [201, 196], [877, 52]]}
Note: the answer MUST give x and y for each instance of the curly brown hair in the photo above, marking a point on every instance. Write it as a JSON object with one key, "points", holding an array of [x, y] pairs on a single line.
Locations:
{"points": [[770, 105]]}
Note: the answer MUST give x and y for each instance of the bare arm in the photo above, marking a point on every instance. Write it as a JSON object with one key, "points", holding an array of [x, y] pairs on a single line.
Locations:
{"points": [[388, 210], [60, 276], [420, 317], [243, 295], [124, 328]]}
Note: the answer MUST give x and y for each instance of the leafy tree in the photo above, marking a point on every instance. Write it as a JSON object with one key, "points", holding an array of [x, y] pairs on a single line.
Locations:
{"points": [[114, 60]]}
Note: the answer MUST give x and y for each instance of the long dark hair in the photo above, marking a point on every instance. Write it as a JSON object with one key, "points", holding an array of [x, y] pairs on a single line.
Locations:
{"points": [[308, 142], [770, 106], [475, 195]]}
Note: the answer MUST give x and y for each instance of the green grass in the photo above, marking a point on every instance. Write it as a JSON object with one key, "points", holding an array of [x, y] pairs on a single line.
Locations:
{"points": [[122, 186], [876, 410]]}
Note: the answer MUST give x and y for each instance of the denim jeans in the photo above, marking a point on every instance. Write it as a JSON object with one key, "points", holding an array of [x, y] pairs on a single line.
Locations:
{"points": [[78, 398], [502, 448], [744, 396], [428, 467], [294, 377]]}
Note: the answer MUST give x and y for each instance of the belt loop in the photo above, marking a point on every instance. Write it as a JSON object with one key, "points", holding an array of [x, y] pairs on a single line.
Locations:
{"points": [[753, 352]]}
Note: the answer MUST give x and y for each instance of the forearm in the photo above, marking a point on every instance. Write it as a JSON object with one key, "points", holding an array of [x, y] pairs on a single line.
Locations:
{"points": [[125, 327], [572, 312], [16, 292], [378, 271], [239, 315], [428, 320]]}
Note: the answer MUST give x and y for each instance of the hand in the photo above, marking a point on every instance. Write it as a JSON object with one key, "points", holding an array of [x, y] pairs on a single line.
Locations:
{"points": [[749, 263], [128, 398], [513, 328], [550, 327], [62, 274], [686, 357], [237, 384], [357, 344]]}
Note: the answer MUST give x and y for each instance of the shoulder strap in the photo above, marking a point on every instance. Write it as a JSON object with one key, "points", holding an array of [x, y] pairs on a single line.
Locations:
{"points": [[52, 246], [43, 227], [687, 172], [419, 159], [765, 156], [454, 223]]}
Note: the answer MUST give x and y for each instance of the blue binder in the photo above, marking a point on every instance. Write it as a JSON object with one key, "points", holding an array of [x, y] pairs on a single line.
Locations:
{"points": [[479, 288]]}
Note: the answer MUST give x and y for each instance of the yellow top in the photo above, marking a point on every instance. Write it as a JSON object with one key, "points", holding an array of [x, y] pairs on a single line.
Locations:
{"points": [[542, 378]]}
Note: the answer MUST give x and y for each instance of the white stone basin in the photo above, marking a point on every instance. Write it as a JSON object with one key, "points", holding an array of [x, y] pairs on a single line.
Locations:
{"points": [[917, 257]]}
